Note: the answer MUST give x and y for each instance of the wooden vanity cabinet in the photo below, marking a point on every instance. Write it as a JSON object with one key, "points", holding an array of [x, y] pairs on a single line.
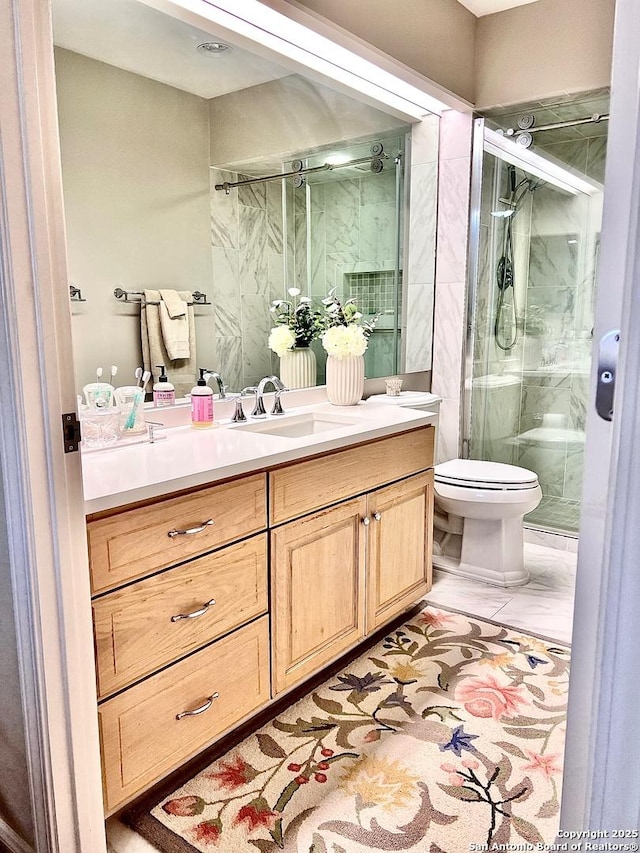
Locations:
{"points": [[185, 645], [317, 584], [399, 538], [340, 573], [180, 625]]}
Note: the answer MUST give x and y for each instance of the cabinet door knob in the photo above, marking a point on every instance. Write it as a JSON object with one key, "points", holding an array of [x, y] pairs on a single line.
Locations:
{"points": [[377, 516], [194, 614], [366, 521], [191, 530], [199, 710]]}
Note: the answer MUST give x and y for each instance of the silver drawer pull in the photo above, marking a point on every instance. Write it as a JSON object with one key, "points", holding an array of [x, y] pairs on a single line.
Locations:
{"points": [[377, 516], [191, 530], [195, 613], [366, 521], [199, 710]]}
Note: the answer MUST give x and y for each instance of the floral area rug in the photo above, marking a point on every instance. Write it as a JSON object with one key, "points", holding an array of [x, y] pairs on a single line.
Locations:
{"points": [[449, 733]]}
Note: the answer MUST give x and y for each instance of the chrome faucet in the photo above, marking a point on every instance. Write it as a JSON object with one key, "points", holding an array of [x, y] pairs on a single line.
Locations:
{"points": [[239, 415], [222, 388], [279, 387]]}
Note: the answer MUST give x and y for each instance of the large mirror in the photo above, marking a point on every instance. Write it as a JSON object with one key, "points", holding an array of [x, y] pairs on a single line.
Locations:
{"points": [[167, 135]]}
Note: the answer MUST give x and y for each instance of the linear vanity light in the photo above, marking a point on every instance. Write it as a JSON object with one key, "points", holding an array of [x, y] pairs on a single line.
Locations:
{"points": [[541, 166], [274, 30]]}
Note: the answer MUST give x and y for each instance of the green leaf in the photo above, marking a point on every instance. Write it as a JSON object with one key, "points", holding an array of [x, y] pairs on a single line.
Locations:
{"points": [[276, 832], [414, 629], [511, 748], [549, 809], [469, 795], [532, 734], [526, 830], [381, 663], [327, 705], [412, 647], [539, 694], [270, 747]]}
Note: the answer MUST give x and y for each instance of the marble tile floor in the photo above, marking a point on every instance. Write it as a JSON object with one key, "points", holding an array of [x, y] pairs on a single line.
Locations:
{"points": [[543, 606], [558, 513]]}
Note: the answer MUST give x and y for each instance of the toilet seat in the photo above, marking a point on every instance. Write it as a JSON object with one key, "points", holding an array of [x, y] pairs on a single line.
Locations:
{"points": [[474, 474]]}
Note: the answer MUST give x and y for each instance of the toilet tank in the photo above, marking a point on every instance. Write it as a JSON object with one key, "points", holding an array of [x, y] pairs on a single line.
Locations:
{"points": [[422, 400]]}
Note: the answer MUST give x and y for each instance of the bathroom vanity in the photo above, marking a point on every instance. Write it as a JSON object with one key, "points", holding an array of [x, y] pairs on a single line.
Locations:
{"points": [[228, 566]]}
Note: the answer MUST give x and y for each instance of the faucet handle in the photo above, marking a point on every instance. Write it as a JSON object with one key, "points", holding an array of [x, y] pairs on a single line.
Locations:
{"points": [[277, 404], [239, 415]]}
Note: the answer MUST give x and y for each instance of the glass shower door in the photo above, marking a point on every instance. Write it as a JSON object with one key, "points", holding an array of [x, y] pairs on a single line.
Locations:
{"points": [[532, 322]]}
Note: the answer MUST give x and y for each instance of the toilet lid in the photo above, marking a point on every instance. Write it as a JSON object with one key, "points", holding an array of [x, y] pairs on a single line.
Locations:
{"points": [[484, 475]]}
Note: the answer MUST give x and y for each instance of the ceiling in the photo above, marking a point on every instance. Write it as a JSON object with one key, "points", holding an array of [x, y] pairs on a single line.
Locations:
{"points": [[488, 7], [137, 38]]}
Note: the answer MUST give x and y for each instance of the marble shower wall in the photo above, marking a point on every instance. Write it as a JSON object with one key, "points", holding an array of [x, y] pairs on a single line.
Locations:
{"points": [[454, 163], [248, 273], [345, 228], [422, 177]]}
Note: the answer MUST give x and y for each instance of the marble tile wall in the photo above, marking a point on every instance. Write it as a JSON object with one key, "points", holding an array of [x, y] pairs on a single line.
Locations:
{"points": [[248, 273], [454, 169], [347, 226], [417, 321]]}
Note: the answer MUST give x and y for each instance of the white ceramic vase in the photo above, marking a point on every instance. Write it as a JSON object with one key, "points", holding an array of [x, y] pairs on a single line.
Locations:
{"points": [[298, 368], [345, 380]]}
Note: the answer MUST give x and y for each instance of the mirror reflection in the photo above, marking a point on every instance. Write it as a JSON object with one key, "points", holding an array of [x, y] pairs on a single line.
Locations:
{"points": [[166, 138]]}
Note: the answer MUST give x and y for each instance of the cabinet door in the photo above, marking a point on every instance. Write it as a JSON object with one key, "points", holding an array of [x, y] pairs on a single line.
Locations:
{"points": [[399, 547], [317, 590]]}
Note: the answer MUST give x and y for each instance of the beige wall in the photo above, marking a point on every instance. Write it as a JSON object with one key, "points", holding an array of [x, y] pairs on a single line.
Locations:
{"points": [[434, 37], [532, 52], [287, 117], [542, 50], [135, 165]]}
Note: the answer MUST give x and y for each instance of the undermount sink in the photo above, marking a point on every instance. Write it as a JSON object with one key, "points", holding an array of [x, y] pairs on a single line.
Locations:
{"points": [[297, 426]]}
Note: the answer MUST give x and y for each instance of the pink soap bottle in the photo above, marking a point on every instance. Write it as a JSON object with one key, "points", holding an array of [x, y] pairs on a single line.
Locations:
{"points": [[201, 403]]}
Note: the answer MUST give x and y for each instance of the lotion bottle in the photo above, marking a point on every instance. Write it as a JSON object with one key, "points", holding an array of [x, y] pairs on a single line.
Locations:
{"points": [[164, 394], [201, 403]]}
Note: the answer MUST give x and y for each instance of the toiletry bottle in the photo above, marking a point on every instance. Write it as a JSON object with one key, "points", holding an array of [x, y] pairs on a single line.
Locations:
{"points": [[164, 394], [201, 403]]}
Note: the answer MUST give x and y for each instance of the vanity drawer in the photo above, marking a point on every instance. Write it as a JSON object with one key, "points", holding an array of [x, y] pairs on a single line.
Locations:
{"points": [[137, 542], [141, 737], [304, 486], [135, 628]]}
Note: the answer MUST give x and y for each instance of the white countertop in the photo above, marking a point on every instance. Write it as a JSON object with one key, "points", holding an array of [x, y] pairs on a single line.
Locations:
{"points": [[188, 457]]}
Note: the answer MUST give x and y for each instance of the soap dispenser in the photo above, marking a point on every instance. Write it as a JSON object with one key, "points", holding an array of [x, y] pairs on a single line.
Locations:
{"points": [[164, 394], [201, 403]]}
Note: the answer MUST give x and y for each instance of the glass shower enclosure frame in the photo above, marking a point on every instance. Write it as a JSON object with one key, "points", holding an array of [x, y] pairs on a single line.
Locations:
{"points": [[532, 390]]}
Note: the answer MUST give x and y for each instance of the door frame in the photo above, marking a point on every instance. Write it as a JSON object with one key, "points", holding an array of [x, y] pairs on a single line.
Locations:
{"points": [[602, 763], [46, 548]]}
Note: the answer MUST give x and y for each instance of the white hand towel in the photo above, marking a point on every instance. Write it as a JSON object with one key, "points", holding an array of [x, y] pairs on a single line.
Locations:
{"points": [[182, 372], [175, 302], [175, 332]]}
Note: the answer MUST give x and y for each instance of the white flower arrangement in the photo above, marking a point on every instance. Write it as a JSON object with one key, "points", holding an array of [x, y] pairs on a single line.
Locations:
{"points": [[281, 340], [344, 341]]}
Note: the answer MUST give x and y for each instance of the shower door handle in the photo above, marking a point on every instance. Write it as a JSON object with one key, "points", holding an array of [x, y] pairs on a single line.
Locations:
{"points": [[607, 368]]}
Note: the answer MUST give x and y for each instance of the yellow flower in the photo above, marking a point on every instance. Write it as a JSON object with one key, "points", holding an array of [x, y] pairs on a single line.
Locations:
{"points": [[530, 644], [379, 782], [497, 660], [406, 672]]}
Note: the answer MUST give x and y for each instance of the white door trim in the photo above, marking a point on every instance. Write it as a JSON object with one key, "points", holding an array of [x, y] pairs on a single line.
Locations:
{"points": [[42, 485], [602, 761]]}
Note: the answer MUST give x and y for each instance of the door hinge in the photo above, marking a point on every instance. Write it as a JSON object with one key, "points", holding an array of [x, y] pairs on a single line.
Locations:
{"points": [[70, 432]]}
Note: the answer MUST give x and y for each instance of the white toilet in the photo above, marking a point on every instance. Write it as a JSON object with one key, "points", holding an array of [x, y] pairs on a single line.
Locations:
{"points": [[479, 507]]}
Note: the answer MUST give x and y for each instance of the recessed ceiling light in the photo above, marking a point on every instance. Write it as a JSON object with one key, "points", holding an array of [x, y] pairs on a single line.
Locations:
{"points": [[213, 48]]}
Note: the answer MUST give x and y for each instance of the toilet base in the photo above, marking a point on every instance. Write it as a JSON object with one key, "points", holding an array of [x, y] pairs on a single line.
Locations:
{"points": [[488, 550]]}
